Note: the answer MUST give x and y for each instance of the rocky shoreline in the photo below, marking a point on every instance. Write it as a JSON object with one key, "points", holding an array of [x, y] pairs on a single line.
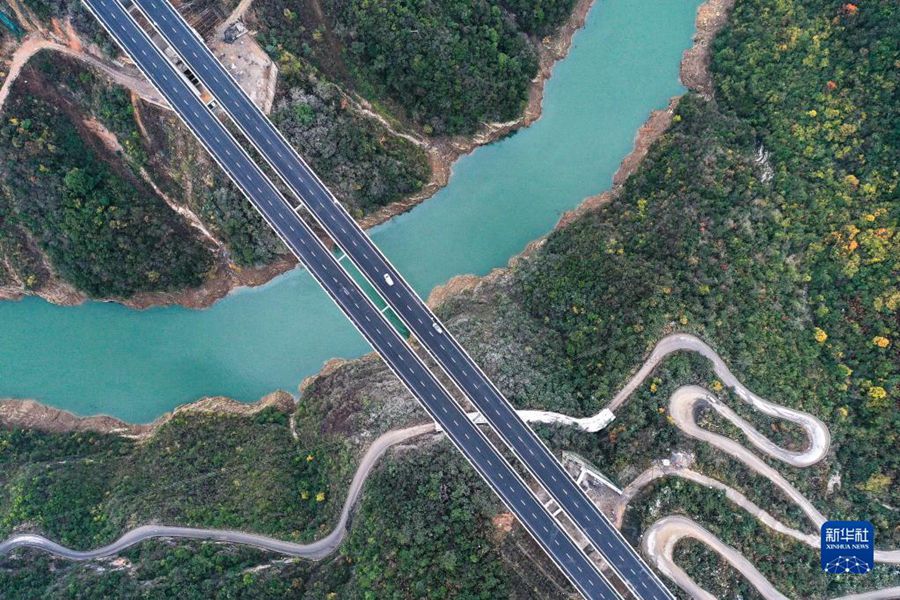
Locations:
{"points": [[443, 153], [711, 17], [31, 414], [694, 71]]}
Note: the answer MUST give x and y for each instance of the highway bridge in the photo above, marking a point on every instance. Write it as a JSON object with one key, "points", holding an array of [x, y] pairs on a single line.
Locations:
{"points": [[347, 295], [403, 300]]}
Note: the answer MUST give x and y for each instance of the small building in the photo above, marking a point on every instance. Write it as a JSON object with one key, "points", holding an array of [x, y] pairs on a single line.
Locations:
{"points": [[234, 31]]}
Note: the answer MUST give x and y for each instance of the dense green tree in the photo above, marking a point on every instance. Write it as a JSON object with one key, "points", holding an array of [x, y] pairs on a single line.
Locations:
{"points": [[102, 228]]}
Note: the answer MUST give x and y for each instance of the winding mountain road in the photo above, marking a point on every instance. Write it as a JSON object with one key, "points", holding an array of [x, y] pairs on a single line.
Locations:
{"points": [[816, 431], [316, 550], [657, 472], [659, 540]]}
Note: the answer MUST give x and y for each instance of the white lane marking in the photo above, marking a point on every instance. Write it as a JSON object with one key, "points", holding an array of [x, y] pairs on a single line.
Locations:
{"points": [[344, 230]]}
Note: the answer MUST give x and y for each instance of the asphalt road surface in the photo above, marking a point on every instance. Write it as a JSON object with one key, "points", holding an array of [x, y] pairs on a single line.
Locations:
{"points": [[404, 301], [344, 291], [316, 550]]}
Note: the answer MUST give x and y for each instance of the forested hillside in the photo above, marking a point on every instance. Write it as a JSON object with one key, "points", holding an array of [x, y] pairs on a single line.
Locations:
{"points": [[425, 69], [364, 164], [449, 66], [767, 225], [247, 472], [765, 221], [103, 228]]}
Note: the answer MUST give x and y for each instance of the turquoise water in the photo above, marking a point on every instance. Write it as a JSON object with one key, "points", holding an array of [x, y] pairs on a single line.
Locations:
{"points": [[103, 358]]}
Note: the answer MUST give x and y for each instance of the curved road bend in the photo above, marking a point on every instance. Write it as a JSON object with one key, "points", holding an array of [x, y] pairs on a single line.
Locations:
{"points": [[659, 547], [682, 406], [406, 304], [316, 550], [816, 430], [344, 291], [660, 540]]}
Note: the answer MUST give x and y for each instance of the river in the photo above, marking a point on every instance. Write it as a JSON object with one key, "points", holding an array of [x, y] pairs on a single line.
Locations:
{"points": [[102, 358]]}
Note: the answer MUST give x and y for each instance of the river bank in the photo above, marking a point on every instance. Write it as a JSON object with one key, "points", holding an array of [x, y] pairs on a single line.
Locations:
{"points": [[442, 154], [694, 71], [30, 414], [710, 17], [273, 336]]}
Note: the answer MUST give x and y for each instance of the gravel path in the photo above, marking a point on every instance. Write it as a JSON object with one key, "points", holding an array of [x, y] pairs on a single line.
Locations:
{"points": [[34, 44]]}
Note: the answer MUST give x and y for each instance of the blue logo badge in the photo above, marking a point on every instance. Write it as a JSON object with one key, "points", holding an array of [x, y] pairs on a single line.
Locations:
{"points": [[848, 547]]}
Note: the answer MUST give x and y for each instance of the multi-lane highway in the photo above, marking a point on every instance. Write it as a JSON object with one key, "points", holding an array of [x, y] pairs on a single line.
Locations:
{"points": [[403, 300], [347, 295]]}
